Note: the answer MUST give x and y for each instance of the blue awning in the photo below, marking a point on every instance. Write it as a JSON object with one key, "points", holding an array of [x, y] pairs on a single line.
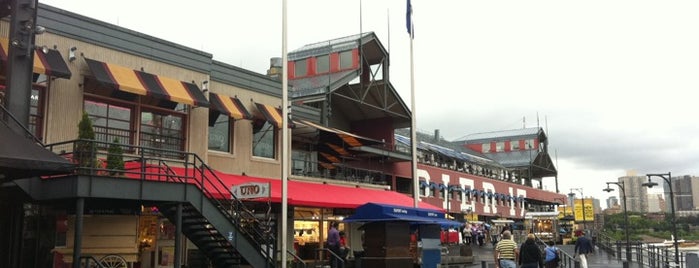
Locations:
{"points": [[373, 212]]}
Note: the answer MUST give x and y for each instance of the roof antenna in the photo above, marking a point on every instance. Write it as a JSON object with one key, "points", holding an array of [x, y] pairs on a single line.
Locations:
{"points": [[524, 122]]}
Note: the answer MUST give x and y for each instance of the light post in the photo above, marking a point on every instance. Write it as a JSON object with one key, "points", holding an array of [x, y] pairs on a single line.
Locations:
{"points": [[571, 194], [626, 215], [666, 177]]}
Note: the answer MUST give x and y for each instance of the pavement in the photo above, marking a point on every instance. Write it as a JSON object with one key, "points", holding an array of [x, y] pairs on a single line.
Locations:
{"points": [[596, 260]]}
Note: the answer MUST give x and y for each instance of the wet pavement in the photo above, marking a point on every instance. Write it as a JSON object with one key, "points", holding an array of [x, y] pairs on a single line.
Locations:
{"points": [[598, 259]]}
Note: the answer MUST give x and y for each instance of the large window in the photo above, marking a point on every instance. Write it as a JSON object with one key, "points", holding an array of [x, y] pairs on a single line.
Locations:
{"points": [[500, 146], [322, 64], [301, 68], [110, 121], [486, 148], [346, 59], [264, 139], [219, 134], [162, 131]]}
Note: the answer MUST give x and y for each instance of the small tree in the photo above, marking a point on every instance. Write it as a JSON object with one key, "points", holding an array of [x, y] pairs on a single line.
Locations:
{"points": [[115, 158], [85, 152]]}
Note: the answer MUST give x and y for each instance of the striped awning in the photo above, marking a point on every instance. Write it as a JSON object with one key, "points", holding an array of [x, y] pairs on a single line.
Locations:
{"points": [[230, 106], [141, 83], [272, 114], [350, 139], [50, 63]]}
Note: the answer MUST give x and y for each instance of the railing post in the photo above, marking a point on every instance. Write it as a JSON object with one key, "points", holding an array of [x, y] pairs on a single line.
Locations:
{"points": [[618, 249]]}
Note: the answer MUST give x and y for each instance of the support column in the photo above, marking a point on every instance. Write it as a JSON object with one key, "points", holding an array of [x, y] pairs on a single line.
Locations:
{"points": [[77, 237], [178, 236]]}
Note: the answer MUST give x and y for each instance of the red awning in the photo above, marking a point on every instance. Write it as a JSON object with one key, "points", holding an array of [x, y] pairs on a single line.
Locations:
{"points": [[315, 194]]}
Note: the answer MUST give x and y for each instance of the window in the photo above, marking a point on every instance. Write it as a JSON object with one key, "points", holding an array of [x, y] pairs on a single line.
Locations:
{"points": [[301, 68], [162, 131], [500, 146], [529, 144], [110, 121], [219, 134], [486, 148], [36, 111], [514, 145], [346, 60], [264, 139], [322, 64]]}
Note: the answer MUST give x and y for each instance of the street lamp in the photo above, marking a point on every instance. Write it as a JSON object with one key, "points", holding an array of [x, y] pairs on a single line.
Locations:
{"points": [[666, 177], [571, 194], [626, 215]]}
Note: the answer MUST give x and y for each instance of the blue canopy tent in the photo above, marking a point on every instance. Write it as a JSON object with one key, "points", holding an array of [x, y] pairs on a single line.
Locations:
{"points": [[373, 212]]}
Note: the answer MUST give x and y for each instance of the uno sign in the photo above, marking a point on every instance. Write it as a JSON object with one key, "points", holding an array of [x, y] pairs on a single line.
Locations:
{"points": [[251, 190]]}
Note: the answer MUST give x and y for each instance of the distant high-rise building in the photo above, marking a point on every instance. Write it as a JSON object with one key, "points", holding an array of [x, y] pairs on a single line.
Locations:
{"points": [[686, 190], [636, 193], [654, 204], [612, 201]]}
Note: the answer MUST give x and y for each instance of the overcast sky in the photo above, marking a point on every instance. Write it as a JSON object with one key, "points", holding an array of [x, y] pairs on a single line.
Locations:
{"points": [[612, 82]]}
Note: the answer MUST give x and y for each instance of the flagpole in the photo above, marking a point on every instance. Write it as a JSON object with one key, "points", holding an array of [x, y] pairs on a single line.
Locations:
{"points": [[413, 125], [285, 139]]}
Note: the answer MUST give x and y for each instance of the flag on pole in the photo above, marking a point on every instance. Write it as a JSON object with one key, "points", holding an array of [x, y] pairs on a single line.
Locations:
{"points": [[409, 19]]}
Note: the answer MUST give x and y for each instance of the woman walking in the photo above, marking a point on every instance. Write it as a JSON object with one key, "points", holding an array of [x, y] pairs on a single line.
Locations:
{"points": [[530, 254]]}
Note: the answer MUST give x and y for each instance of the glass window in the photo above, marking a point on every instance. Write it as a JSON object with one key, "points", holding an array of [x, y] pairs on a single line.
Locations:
{"points": [[219, 134], [301, 68], [500, 146], [486, 147], [529, 143], [36, 112], [514, 145], [109, 121], [264, 139], [346, 59], [322, 64], [162, 131]]}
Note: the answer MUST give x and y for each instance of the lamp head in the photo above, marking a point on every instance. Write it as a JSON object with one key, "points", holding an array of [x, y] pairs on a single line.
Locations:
{"points": [[608, 189], [649, 184], [571, 194]]}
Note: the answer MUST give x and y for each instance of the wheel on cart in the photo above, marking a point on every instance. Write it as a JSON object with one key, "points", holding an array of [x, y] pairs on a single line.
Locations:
{"points": [[113, 261]]}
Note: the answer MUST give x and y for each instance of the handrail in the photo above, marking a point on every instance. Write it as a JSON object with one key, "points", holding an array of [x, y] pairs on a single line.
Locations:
{"points": [[332, 253], [295, 257]]}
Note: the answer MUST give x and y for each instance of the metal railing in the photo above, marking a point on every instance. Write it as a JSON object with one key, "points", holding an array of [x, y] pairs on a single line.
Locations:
{"points": [[337, 171], [648, 255], [154, 164]]}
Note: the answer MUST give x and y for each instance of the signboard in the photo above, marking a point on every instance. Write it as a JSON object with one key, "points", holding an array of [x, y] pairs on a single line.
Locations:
{"points": [[589, 215], [251, 190], [564, 211]]}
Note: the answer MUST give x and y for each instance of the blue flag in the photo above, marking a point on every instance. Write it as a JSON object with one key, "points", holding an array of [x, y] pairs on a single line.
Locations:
{"points": [[409, 19]]}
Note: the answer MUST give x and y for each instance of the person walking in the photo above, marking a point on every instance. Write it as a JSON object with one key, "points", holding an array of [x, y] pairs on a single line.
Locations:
{"points": [[583, 246], [530, 254], [551, 255], [333, 243], [506, 252]]}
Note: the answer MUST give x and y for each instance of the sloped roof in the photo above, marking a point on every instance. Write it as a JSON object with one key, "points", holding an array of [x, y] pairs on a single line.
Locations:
{"points": [[328, 46], [504, 134], [448, 149]]}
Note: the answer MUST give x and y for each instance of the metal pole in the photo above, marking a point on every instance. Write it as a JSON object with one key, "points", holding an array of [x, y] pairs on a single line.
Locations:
{"points": [[626, 222], [674, 221]]}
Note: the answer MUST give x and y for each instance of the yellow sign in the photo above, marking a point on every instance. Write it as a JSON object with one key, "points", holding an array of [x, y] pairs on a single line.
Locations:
{"points": [[589, 215], [564, 211]]}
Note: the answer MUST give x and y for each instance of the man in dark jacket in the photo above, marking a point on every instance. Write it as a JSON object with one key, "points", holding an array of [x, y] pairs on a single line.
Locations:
{"points": [[583, 246], [529, 254]]}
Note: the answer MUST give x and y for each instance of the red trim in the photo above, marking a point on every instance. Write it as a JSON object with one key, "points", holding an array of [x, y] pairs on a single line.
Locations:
{"points": [[334, 62], [291, 69]]}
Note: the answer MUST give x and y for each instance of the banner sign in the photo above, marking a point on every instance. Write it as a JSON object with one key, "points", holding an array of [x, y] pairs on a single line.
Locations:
{"points": [[251, 190]]}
